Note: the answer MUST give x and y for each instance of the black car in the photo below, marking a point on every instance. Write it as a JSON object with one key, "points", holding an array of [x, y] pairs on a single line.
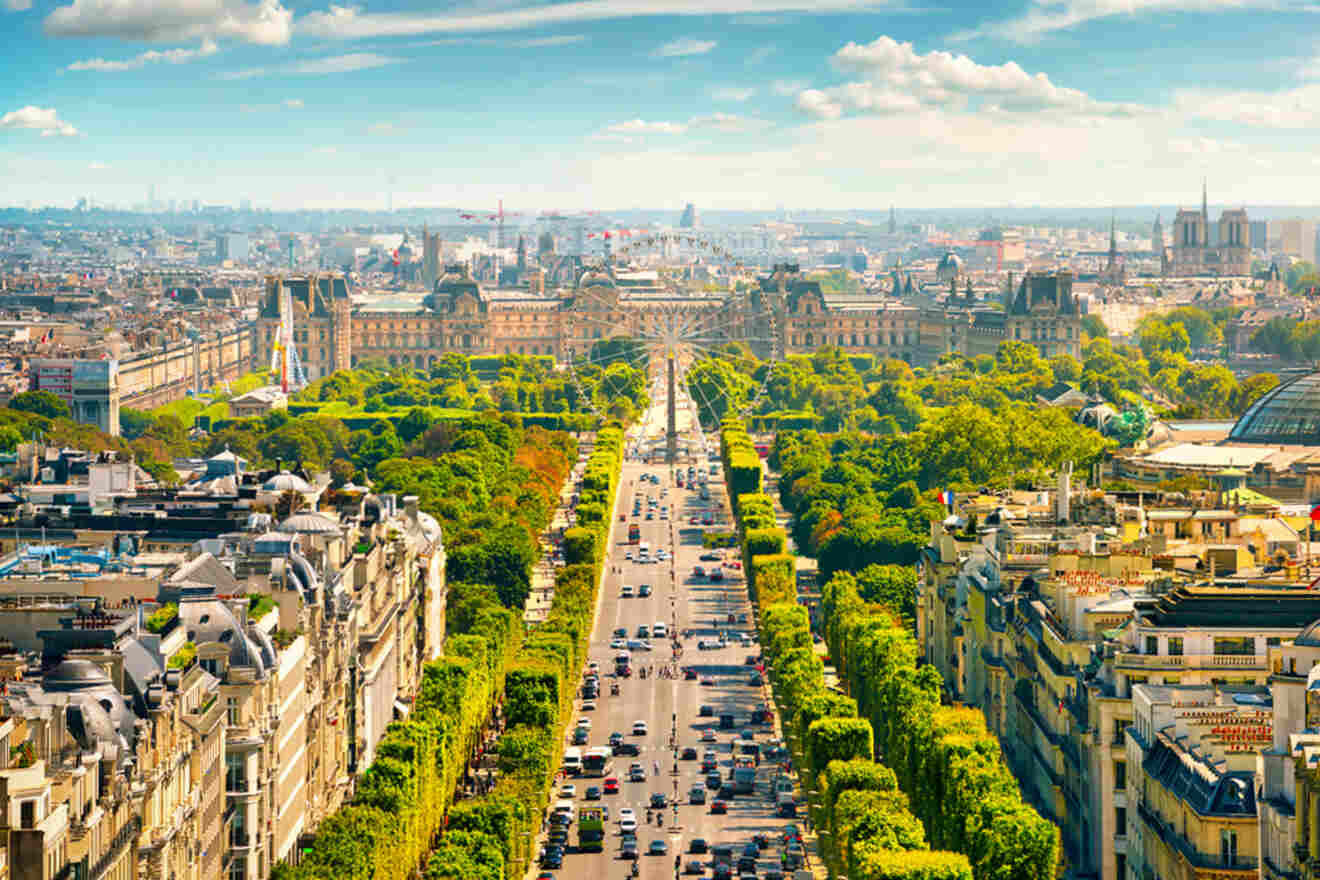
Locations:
{"points": [[689, 754], [561, 819], [706, 711], [628, 850], [558, 838], [592, 793], [695, 866], [698, 846], [553, 857], [722, 872], [615, 738], [658, 801], [627, 749], [713, 781]]}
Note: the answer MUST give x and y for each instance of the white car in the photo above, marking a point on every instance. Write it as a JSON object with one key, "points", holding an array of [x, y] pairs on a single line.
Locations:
{"points": [[584, 723], [618, 644], [627, 813], [569, 790], [626, 592], [659, 631], [639, 728], [628, 825], [588, 705], [594, 666]]}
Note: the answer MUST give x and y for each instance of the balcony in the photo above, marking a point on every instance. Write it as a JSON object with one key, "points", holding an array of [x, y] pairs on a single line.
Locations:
{"points": [[1189, 661], [121, 842], [1190, 854]]}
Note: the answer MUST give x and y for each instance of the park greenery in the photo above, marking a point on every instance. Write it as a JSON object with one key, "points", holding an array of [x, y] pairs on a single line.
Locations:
{"points": [[900, 787]]}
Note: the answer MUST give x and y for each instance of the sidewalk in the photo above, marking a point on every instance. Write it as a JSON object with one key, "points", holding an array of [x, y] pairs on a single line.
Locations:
{"points": [[542, 594]]}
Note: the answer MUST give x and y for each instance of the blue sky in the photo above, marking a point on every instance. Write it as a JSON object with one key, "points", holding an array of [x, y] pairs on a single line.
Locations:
{"points": [[652, 103]]}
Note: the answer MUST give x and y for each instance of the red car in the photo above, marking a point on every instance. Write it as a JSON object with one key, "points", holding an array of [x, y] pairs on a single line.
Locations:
{"points": [[719, 808], [612, 785]]}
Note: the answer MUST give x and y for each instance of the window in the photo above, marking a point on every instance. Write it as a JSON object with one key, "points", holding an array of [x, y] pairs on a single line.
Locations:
{"points": [[1240, 645], [1273, 641], [232, 710], [1152, 645], [1120, 774], [235, 772], [238, 868], [1175, 646], [1120, 820], [27, 814], [1120, 867], [1228, 847]]}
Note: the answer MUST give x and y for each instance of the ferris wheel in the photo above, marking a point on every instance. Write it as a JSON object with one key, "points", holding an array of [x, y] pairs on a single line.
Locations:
{"points": [[722, 339]]}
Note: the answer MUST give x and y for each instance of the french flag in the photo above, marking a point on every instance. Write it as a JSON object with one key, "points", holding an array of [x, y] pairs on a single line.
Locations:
{"points": [[947, 497]]}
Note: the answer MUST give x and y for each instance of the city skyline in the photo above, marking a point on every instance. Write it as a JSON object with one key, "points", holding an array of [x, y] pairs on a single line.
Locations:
{"points": [[736, 104]]}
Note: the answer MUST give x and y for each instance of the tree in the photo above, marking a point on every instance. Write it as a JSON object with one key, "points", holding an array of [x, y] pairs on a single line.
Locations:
{"points": [[1250, 390], [414, 424], [1094, 327], [41, 403]]}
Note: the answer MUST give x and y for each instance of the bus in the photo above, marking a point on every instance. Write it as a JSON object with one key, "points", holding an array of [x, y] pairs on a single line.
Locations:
{"points": [[634, 533], [591, 829], [644, 552], [596, 761]]}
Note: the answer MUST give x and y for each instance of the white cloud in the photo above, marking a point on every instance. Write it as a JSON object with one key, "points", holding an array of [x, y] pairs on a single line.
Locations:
{"points": [[151, 56], [293, 103], [542, 42], [97, 166], [344, 22], [727, 122], [1297, 108], [642, 126], [288, 104], [384, 129], [683, 47], [787, 87], [1049, 16], [17, 5], [265, 22], [318, 66], [898, 79], [733, 93], [42, 119]]}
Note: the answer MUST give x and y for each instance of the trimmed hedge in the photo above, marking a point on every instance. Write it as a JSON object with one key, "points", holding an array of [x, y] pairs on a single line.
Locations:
{"points": [[580, 546], [889, 864]]}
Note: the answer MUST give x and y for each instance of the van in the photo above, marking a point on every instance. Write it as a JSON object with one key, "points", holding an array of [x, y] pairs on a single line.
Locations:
{"points": [[573, 761]]}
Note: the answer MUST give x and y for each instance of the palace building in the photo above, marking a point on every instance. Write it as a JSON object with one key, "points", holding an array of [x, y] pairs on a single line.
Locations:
{"points": [[786, 312]]}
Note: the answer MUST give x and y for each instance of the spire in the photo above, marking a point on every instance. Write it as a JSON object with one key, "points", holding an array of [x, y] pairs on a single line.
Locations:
{"points": [[1113, 240]]}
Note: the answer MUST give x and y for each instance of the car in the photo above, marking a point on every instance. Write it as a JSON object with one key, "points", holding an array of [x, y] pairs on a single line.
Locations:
{"points": [[628, 554], [722, 872], [612, 785], [620, 633], [644, 590], [706, 711], [568, 790], [689, 754], [592, 793], [628, 850], [627, 813], [626, 592], [584, 723], [694, 520], [616, 739], [697, 794], [698, 846], [650, 515], [749, 735], [751, 660], [658, 801], [637, 774], [658, 847], [710, 557], [708, 681], [694, 867], [713, 781], [558, 836], [643, 632], [553, 857], [564, 819], [719, 807], [698, 571], [660, 631], [708, 736], [709, 765], [639, 728], [716, 574], [588, 705], [627, 750], [629, 824], [580, 737], [545, 875], [689, 674]]}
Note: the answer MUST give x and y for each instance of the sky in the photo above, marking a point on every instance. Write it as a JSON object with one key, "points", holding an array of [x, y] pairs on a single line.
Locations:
{"points": [[614, 104]]}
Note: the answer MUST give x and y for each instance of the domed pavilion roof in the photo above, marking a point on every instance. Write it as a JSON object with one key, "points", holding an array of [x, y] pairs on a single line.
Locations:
{"points": [[1288, 414]]}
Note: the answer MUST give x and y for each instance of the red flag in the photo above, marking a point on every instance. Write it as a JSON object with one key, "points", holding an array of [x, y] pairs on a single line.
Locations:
{"points": [[1315, 513]]}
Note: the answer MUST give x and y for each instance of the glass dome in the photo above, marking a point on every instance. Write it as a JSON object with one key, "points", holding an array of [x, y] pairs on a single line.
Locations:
{"points": [[1287, 414]]}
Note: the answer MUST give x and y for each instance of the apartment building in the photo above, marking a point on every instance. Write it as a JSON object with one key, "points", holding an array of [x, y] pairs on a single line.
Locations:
{"points": [[249, 678]]}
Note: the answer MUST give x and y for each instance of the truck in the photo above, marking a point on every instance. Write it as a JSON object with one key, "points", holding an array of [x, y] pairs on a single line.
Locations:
{"points": [[591, 829], [742, 778]]}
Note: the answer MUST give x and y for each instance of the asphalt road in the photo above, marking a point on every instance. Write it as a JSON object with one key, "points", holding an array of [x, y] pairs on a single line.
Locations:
{"points": [[670, 707]]}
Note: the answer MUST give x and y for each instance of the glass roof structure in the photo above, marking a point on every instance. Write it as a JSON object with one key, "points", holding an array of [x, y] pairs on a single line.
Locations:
{"points": [[1288, 414]]}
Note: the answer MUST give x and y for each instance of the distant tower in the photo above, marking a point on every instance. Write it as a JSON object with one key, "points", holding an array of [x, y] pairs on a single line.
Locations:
{"points": [[1113, 268], [522, 254], [689, 218], [430, 257], [1205, 215], [893, 221], [1157, 237]]}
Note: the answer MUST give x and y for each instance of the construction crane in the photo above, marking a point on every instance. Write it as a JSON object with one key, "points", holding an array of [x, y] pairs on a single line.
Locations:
{"points": [[952, 242], [284, 358], [498, 216]]}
